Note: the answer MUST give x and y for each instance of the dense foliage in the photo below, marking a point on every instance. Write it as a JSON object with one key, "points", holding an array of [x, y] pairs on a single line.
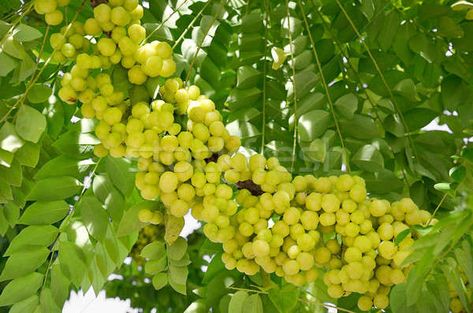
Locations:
{"points": [[102, 154]]}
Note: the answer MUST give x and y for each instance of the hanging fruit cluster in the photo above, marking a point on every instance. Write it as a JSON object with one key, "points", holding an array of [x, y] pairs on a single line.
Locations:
{"points": [[267, 220]]}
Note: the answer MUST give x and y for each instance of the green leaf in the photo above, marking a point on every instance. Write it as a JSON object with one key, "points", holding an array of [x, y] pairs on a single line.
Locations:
{"points": [[7, 64], [110, 196], [32, 237], [9, 139], [422, 45], [39, 93], [464, 256], [27, 68], [12, 213], [21, 288], [253, 304], [462, 5], [64, 187], [317, 150], [304, 81], [369, 158], [28, 155], [382, 182], [199, 306], [30, 124], [47, 302], [241, 97], [449, 28], [360, 127], [94, 216], [391, 24], [402, 235], [458, 173], [313, 124], [24, 262], [451, 272], [416, 277], [95, 275], [418, 118], [25, 306], [13, 175], [154, 250], [407, 89], [63, 166], [138, 93], [346, 105], [120, 174], [104, 262], [45, 212], [4, 226], [215, 267], [247, 77], [24, 32], [59, 285], [398, 299], [444, 187], [120, 79], [438, 292], [177, 276], [73, 262], [237, 301], [178, 249], [160, 280], [6, 158], [302, 61], [5, 192], [155, 266], [285, 298], [129, 222]]}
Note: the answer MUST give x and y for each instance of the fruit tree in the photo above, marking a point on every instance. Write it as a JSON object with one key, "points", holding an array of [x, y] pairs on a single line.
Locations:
{"points": [[323, 148]]}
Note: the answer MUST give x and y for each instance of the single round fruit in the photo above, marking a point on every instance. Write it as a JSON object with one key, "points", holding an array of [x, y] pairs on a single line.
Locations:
{"points": [[168, 182], [54, 18], [153, 66], [106, 46], [137, 33], [136, 75], [119, 16], [92, 27], [169, 67], [102, 13], [45, 6]]}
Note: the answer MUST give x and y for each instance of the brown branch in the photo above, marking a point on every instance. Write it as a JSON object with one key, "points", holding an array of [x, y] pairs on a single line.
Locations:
{"points": [[95, 3], [250, 186]]}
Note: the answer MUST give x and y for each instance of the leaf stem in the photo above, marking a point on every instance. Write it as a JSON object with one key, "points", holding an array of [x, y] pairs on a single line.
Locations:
{"points": [[43, 44], [324, 83], [166, 19], [383, 78], [437, 208], [263, 113], [296, 118], [70, 213], [324, 305], [199, 46], [191, 24]]}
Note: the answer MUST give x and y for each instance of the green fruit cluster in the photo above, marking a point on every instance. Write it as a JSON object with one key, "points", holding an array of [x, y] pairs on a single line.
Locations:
{"points": [[51, 10], [69, 42], [300, 226], [267, 220]]}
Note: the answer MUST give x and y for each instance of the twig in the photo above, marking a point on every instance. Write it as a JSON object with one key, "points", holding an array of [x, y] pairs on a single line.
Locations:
{"points": [[324, 83]]}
